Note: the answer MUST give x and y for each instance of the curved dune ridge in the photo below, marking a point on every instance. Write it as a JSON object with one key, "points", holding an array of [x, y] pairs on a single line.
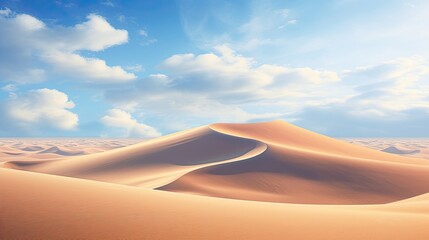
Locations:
{"points": [[270, 162]]}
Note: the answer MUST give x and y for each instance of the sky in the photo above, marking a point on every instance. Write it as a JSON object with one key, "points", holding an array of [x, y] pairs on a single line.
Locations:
{"points": [[110, 68]]}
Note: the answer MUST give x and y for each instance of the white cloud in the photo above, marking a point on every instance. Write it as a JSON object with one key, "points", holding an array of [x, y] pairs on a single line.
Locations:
{"points": [[28, 23], [135, 68], [108, 3], [391, 86], [5, 12], [148, 42], [95, 34], [91, 68], [9, 88], [38, 110], [226, 74], [122, 18], [246, 29], [25, 75], [120, 119], [224, 86], [292, 21], [389, 99], [143, 33], [219, 87], [28, 44]]}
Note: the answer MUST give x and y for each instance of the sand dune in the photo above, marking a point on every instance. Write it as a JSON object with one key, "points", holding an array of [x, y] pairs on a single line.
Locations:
{"points": [[411, 147], [274, 161], [399, 150], [40, 206], [32, 148], [28, 149], [153, 163], [63, 152], [267, 180]]}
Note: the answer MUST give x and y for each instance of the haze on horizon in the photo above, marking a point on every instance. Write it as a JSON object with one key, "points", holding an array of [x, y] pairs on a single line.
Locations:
{"points": [[344, 68]]}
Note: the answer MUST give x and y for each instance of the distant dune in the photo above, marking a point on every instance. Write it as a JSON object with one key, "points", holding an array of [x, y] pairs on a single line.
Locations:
{"points": [[28, 149], [297, 184], [399, 150], [411, 147], [62, 152]]}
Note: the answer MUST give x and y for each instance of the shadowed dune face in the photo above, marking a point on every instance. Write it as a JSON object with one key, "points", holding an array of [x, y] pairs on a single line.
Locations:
{"points": [[288, 175], [285, 134], [273, 161], [149, 162]]}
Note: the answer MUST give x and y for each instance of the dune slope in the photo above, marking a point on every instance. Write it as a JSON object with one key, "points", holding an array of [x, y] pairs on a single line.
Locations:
{"points": [[152, 163], [272, 161], [40, 206]]}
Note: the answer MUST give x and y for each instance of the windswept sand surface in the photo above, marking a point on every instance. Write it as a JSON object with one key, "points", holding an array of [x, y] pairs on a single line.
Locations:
{"points": [[410, 147], [51, 148], [223, 181]]}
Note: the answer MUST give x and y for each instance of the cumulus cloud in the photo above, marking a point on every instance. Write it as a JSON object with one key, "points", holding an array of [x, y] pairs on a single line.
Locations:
{"points": [[29, 46], [226, 74], [38, 110], [221, 86], [389, 99], [395, 85], [5, 12], [91, 68], [224, 86], [130, 127]]}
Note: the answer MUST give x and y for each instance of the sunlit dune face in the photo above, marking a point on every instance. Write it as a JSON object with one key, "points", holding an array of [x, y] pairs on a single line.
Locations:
{"points": [[250, 180], [271, 161]]}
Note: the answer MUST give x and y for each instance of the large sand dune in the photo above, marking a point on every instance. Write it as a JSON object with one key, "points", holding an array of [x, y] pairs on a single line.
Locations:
{"points": [[301, 185], [273, 161], [40, 206]]}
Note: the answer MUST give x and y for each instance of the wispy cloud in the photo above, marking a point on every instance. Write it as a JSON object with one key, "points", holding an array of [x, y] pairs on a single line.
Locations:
{"points": [[143, 33], [108, 3]]}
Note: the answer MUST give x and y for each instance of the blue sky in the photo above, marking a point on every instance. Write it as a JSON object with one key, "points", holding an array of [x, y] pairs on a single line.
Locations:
{"points": [[344, 68]]}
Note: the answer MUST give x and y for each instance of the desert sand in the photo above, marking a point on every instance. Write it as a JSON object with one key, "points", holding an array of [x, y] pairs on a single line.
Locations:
{"points": [[269, 180], [410, 147], [56, 148]]}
